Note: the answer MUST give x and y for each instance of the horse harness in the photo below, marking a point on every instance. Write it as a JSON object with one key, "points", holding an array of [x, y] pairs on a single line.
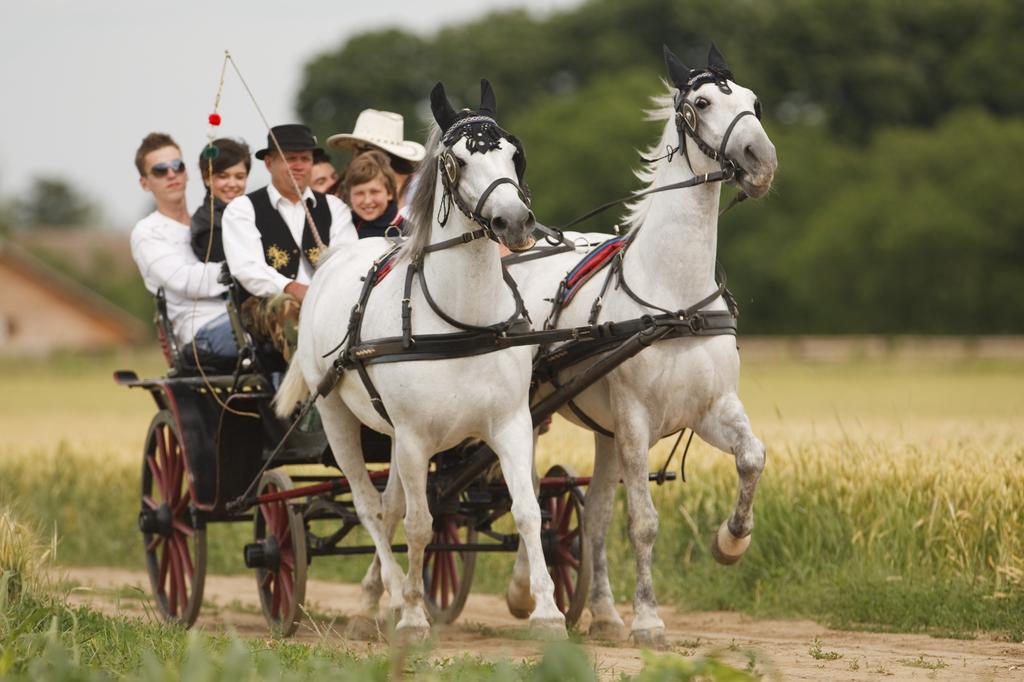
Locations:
{"points": [[690, 321], [482, 134]]}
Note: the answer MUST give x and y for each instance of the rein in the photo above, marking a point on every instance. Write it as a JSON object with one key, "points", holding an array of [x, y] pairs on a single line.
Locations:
{"points": [[472, 339]]}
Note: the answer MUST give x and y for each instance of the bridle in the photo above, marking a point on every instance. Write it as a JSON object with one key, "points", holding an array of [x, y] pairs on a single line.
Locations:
{"points": [[688, 121], [482, 134]]}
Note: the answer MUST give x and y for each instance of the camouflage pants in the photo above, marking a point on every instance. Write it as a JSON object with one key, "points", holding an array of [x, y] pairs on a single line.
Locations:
{"points": [[274, 319]]}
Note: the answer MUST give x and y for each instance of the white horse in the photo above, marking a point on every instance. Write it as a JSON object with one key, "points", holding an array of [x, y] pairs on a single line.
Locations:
{"points": [[433, 405], [676, 383]]}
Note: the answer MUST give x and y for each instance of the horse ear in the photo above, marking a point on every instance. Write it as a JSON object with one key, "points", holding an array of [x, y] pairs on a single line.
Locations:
{"points": [[444, 114], [716, 62], [488, 104], [677, 71]]}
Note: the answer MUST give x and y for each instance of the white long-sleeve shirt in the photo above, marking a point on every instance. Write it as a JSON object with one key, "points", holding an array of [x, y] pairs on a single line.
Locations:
{"points": [[243, 245], [162, 248]]}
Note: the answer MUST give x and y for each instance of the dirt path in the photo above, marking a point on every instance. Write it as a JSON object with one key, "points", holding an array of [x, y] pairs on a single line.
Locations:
{"points": [[782, 649]]}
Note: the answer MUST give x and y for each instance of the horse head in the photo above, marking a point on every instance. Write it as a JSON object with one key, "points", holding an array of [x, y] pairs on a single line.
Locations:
{"points": [[481, 168], [719, 124]]}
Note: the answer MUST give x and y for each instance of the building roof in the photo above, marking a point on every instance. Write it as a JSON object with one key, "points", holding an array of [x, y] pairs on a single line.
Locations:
{"points": [[84, 300]]}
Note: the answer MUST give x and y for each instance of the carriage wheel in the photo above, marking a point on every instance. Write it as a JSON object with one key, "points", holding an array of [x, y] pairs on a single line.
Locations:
{"points": [[448, 574], [566, 547], [280, 543], [175, 549]]}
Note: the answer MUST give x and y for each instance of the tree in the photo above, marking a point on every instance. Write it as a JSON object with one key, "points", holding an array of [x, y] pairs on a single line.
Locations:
{"points": [[54, 202]]}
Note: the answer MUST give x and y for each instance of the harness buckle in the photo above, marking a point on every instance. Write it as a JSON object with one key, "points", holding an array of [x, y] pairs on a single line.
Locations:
{"points": [[696, 323]]}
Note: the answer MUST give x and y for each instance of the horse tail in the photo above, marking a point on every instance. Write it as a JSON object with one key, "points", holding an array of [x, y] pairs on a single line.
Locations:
{"points": [[293, 389]]}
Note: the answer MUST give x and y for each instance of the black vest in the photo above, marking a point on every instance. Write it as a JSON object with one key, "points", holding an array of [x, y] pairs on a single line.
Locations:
{"points": [[279, 247]]}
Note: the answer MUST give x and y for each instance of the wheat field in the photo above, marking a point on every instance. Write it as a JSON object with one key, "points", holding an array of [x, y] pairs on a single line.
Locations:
{"points": [[892, 494]]}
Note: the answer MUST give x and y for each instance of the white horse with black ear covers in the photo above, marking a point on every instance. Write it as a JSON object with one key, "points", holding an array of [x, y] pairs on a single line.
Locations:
{"points": [[468, 190], [667, 266]]}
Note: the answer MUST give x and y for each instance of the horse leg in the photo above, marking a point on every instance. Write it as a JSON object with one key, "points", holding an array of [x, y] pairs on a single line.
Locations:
{"points": [[342, 429], [606, 624], [413, 463], [513, 444], [363, 626], [518, 598], [632, 441], [726, 427]]}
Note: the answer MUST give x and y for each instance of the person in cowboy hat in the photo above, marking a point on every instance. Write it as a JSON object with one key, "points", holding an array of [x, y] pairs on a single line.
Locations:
{"points": [[385, 131], [268, 242]]}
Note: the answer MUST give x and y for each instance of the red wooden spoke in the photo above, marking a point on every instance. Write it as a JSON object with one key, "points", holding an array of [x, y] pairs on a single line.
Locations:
{"points": [[288, 561], [179, 575], [568, 559], [186, 557], [172, 600], [450, 556], [153, 543], [567, 511], [165, 558], [285, 536], [268, 578], [266, 509], [567, 580], [443, 567], [286, 582], [572, 535], [149, 502], [165, 457], [158, 483], [182, 504], [178, 470], [551, 510], [275, 602]]}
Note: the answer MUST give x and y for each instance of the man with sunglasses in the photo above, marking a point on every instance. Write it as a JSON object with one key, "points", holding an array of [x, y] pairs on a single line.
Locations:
{"points": [[161, 246], [268, 241]]}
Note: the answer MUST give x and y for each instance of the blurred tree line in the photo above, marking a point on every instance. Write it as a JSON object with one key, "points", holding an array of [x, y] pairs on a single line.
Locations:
{"points": [[898, 126]]}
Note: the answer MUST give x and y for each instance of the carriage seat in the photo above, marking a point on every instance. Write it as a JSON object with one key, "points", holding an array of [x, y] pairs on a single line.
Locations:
{"points": [[181, 360]]}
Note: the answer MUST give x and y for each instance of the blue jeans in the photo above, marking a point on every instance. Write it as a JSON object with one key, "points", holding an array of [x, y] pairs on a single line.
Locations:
{"points": [[215, 339]]}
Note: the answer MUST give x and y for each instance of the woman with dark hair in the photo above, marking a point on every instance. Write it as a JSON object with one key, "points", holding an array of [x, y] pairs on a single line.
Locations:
{"points": [[224, 173], [370, 189]]}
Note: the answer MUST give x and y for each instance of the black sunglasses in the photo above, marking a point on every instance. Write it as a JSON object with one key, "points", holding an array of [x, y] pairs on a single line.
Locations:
{"points": [[159, 170]]}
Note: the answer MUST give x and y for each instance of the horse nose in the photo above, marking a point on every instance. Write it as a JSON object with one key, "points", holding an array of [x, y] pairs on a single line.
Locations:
{"points": [[530, 221], [499, 224], [751, 155]]}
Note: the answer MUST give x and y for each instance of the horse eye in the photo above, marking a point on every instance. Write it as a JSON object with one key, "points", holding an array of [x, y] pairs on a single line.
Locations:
{"points": [[757, 108], [702, 103]]}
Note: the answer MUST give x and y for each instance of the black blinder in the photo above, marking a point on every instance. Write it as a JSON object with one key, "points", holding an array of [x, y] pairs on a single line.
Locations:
{"points": [[449, 168], [689, 115]]}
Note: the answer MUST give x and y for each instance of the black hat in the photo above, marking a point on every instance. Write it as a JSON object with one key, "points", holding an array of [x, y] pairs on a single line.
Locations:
{"points": [[293, 137]]}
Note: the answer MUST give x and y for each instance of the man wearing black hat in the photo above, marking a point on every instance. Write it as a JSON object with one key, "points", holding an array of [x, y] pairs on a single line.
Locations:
{"points": [[269, 245]]}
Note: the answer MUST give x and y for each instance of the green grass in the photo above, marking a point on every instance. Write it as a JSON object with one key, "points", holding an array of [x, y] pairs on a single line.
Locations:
{"points": [[42, 637], [892, 498]]}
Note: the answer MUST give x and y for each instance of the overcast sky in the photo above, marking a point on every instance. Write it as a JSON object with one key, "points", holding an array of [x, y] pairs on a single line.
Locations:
{"points": [[84, 80]]}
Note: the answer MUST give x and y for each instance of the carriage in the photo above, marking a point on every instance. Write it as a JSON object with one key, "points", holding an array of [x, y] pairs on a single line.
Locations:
{"points": [[217, 452], [210, 438]]}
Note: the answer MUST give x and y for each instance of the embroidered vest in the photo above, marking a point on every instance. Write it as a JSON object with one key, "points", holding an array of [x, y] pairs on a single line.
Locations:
{"points": [[279, 247]]}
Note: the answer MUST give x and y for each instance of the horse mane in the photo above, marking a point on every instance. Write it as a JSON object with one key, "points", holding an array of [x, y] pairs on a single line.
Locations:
{"points": [[662, 109], [421, 206]]}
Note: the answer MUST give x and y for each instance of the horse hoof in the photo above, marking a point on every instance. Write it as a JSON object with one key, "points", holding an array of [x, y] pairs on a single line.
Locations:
{"points": [[607, 630], [726, 548], [411, 635], [651, 638], [520, 606], [362, 629], [548, 629]]}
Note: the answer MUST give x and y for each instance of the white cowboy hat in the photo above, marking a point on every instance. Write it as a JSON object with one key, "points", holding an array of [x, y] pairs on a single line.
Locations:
{"points": [[384, 129]]}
